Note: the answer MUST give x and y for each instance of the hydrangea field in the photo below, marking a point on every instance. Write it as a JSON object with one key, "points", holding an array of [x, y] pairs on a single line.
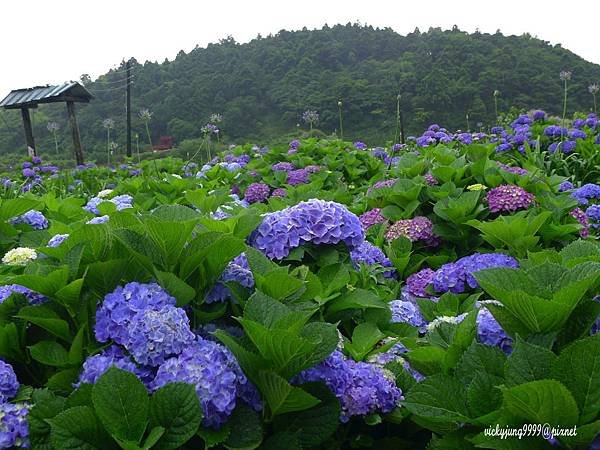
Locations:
{"points": [[323, 294]]}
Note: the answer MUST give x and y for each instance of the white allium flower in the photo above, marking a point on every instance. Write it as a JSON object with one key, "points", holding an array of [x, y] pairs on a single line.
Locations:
{"points": [[19, 256]]}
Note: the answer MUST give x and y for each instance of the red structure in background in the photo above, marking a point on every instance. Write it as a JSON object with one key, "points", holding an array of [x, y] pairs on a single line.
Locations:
{"points": [[165, 143]]}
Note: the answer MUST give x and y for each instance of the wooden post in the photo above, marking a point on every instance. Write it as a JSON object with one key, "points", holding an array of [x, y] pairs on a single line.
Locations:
{"points": [[75, 133], [28, 131], [128, 107]]}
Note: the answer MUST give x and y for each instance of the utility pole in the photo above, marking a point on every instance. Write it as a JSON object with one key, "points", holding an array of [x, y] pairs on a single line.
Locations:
{"points": [[128, 107]]}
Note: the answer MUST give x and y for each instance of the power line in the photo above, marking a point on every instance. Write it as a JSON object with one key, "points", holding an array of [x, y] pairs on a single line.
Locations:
{"points": [[116, 88], [115, 81]]}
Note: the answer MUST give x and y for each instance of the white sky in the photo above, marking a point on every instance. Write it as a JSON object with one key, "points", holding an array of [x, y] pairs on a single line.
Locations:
{"points": [[51, 41]]}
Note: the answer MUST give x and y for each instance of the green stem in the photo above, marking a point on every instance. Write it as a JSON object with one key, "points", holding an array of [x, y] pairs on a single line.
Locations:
{"points": [[341, 122], [564, 113]]}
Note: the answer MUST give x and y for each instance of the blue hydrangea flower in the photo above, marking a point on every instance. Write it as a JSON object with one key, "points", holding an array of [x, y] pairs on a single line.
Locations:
{"points": [[14, 428], [361, 388], [404, 311], [315, 221], [368, 254], [98, 220], [395, 354], [218, 379], [32, 297], [457, 276], [565, 186], [121, 201], [33, 218], [237, 271], [9, 385], [95, 366], [586, 192], [593, 213], [57, 239], [490, 332], [115, 314]]}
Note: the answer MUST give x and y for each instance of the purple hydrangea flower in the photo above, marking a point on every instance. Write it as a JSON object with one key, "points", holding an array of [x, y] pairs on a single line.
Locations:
{"points": [[295, 144], [279, 193], [316, 221], [416, 229], [508, 198], [95, 366], [379, 153], [516, 170], [489, 332], [26, 165], [257, 192], [581, 217], [14, 428], [9, 385], [404, 311], [28, 173], [296, 177], [382, 184], [218, 379], [366, 253], [361, 388], [237, 271], [56, 240], [457, 276], [283, 166], [539, 115], [430, 179], [358, 145], [121, 201], [33, 218], [33, 298], [372, 217], [417, 283]]}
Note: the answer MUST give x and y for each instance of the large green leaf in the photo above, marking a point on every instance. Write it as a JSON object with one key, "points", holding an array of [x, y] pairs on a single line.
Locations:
{"points": [[439, 398], [78, 428], [176, 408], [281, 397], [528, 362], [121, 403]]}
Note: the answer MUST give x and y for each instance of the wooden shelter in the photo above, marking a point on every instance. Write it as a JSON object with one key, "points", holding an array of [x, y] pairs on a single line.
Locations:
{"points": [[24, 99]]}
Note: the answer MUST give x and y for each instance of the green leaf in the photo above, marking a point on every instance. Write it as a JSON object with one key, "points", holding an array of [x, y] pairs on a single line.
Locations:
{"points": [[153, 437], [212, 437], [427, 359], [46, 318], [78, 428], [542, 401], [364, 337], [281, 396], [528, 362], [483, 396], [334, 277], [121, 402], [46, 405], [176, 408], [439, 398], [578, 368], [356, 299], [480, 358], [175, 286], [50, 353], [247, 430], [82, 396], [278, 284]]}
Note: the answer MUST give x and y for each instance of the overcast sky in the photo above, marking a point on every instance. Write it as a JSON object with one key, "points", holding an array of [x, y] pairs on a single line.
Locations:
{"points": [[51, 41]]}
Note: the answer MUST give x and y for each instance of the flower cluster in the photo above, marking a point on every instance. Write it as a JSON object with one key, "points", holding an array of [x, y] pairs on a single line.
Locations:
{"points": [[358, 145], [33, 218], [455, 277], [565, 186], [316, 221], [508, 198], [586, 192], [405, 311], [430, 179], [256, 193], [296, 177], [581, 217], [372, 217], [95, 366], [19, 256], [382, 184], [225, 210], [215, 373], [416, 229], [489, 331], [279, 193], [121, 201], [237, 271], [98, 220], [33, 298], [417, 283], [367, 253], [283, 166], [14, 429], [593, 214], [361, 388], [310, 116], [57, 239], [395, 354], [515, 170]]}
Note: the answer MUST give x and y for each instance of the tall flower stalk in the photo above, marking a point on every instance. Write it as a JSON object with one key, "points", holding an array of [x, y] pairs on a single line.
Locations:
{"points": [[398, 97], [594, 89], [310, 117], [145, 115], [565, 76], [53, 128]]}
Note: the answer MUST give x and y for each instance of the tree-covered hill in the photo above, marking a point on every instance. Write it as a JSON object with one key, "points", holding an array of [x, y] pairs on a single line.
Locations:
{"points": [[261, 88]]}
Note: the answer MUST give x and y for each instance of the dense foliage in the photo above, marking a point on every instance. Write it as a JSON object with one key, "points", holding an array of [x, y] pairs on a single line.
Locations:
{"points": [[315, 295], [262, 88]]}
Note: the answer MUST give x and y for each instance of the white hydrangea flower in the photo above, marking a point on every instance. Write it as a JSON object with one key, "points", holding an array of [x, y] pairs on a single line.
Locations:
{"points": [[176, 176], [19, 256], [444, 319], [104, 193]]}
